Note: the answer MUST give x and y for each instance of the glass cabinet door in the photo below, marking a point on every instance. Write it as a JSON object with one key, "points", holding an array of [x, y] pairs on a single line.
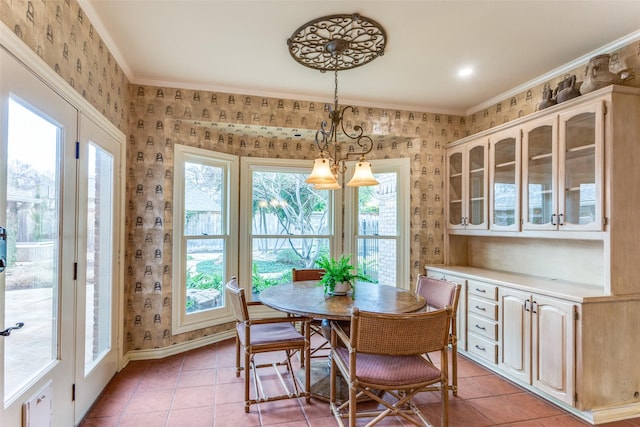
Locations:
{"points": [[455, 190], [505, 181], [539, 189], [476, 194], [580, 173]]}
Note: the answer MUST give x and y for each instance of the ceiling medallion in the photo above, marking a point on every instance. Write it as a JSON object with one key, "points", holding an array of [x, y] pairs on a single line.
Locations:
{"points": [[353, 39], [336, 43]]}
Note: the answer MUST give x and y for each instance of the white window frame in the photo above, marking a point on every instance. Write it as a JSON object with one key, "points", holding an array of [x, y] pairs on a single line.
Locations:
{"points": [[247, 166], [402, 167], [181, 321]]}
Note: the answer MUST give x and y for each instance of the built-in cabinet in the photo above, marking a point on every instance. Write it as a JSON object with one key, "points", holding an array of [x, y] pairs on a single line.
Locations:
{"points": [[537, 336], [467, 190], [504, 176], [563, 170], [548, 250]]}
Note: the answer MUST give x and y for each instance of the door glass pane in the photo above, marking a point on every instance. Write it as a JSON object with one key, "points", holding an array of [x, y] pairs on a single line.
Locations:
{"points": [[31, 281], [455, 188], [505, 197], [99, 275], [580, 172], [476, 186], [540, 175]]}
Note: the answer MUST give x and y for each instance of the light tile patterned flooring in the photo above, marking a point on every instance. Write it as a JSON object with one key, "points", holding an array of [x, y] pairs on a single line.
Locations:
{"points": [[199, 388]]}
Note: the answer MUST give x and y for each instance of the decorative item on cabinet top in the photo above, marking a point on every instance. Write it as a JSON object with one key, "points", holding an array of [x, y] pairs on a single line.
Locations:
{"points": [[566, 89], [548, 98], [597, 74]]}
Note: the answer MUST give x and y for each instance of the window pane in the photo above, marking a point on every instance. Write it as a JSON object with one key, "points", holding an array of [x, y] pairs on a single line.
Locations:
{"points": [[33, 223], [378, 207], [273, 258], [99, 256], [203, 199], [381, 269], [205, 274], [283, 203]]}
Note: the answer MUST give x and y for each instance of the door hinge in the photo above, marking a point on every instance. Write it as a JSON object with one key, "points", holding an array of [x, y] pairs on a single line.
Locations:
{"points": [[575, 399], [605, 220], [576, 315], [604, 110], [73, 392], [75, 271], [77, 150]]}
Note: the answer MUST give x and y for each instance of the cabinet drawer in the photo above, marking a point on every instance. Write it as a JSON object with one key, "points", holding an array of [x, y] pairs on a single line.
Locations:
{"points": [[483, 326], [484, 290], [484, 308], [482, 347]]}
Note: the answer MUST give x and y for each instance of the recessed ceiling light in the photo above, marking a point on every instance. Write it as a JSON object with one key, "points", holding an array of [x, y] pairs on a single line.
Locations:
{"points": [[465, 72]]}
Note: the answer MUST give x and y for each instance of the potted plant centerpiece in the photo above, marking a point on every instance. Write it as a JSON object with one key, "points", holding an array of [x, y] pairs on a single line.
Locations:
{"points": [[339, 274]]}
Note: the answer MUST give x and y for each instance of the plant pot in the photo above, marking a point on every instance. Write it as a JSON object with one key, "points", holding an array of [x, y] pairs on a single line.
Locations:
{"points": [[341, 288]]}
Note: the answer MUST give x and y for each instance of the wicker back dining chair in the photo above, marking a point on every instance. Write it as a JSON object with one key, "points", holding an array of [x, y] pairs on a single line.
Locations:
{"points": [[261, 335], [319, 349], [439, 294], [384, 355]]}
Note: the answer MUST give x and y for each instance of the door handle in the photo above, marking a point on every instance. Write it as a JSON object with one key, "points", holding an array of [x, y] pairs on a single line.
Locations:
{"points": [[7, 331], [3, 249]]}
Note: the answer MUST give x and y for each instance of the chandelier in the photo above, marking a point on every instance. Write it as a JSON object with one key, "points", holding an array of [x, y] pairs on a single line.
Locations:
{"points": [[336, 43]]}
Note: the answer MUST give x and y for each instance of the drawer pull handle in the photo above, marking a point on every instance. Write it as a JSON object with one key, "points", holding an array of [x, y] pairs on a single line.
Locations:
{"points": [[481, 290], [481, 308], [482, 328], [480, 348]]}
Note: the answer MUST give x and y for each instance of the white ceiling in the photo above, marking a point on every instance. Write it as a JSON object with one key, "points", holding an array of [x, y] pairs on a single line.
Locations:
{"points": [[240, 46]]}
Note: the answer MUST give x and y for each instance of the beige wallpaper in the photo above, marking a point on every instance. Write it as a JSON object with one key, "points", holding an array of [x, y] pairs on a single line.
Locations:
{"points": [[60, 33], [259, 127], [156, 118]]}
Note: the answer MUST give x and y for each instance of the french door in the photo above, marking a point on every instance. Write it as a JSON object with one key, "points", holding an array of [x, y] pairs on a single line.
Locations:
{"points": [[57, 211]]}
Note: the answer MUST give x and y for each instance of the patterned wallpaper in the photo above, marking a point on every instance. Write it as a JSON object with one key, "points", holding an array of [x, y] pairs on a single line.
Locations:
{"points": [[60, 33], [156, 118], [260, 127]]}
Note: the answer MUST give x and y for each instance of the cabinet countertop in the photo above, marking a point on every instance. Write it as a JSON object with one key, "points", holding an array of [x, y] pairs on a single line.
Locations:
{"points": [[571, 291]]}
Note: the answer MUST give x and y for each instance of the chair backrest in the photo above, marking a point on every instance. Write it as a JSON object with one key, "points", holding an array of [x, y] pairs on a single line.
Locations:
{"points": [[237, 300], [438, 293], [400, 334], [306, 274]]}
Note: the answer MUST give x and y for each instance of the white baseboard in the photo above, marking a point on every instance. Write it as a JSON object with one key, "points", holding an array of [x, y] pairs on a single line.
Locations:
{"points": [[159, 353]]}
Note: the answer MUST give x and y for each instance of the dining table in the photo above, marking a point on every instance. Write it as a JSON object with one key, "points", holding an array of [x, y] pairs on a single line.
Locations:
{"points": [[307, 298]]}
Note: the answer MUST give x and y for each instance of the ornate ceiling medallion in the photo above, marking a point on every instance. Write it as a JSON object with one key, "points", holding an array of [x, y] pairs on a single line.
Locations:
{"points": [[337, 42]]}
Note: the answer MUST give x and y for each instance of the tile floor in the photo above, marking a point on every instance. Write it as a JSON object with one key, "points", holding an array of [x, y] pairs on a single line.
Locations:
{"points": [[199, 388]]}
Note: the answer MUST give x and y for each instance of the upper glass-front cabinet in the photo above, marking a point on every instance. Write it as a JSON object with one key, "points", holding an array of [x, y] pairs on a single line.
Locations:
{"points": [[467, 176], [562, 171], [504, 180]]}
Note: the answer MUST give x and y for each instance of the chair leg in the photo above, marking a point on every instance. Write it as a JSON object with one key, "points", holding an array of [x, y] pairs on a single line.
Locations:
{"points": [[237, 356], [454, 368], [247, 375], [307, 367]]}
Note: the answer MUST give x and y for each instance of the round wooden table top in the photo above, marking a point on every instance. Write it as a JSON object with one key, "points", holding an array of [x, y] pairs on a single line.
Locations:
{"points": [[307, 298]]}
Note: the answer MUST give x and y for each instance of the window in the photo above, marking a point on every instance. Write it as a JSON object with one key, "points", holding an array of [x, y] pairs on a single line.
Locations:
{"points": [[377, 224], [286, 223], [205, 250]]}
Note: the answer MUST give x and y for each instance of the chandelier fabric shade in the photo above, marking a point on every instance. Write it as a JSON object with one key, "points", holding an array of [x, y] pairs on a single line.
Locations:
{"points": [[333, 43]]}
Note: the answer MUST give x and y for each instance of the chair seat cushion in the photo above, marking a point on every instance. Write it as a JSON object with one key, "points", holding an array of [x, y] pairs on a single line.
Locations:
{"points": [[270, 333], [391, 370]]}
